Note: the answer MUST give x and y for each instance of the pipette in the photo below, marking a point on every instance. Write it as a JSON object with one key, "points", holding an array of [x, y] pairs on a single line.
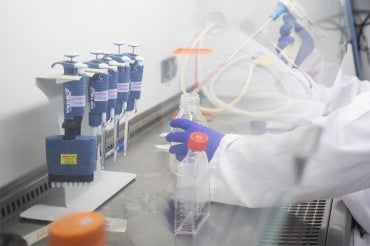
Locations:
{"points": [[112, 88], [71, 157], [136, 76], [113, 96], [98, 99], [123, 89], [127, 117], [229, 58], [285, 6]]}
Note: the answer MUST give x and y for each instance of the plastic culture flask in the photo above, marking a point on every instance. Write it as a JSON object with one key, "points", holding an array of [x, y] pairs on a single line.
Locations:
{"points": [[192, 194]]}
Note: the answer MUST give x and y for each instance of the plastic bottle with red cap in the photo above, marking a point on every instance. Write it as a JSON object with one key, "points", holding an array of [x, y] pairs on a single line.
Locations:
{"points": [[192, 194]]}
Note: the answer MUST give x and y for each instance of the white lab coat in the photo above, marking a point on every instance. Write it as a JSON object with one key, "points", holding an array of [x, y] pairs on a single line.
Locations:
{"points": [[257, 171]]}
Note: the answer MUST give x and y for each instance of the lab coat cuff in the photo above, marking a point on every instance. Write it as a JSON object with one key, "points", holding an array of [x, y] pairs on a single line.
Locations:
{"points": [[217, 179]]}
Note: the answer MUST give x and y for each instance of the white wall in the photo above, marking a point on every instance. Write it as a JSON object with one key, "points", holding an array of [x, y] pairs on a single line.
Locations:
{"points": [[36, 33]]}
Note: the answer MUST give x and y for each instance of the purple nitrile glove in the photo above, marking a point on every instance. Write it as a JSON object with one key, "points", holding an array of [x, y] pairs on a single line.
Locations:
{"points": [[182, 137], [285, 39]]}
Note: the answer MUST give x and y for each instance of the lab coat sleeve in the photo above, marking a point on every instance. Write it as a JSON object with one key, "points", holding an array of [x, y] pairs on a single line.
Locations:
{"points": [[359, 205], [341, 163], [344, 90], [254, 171]]}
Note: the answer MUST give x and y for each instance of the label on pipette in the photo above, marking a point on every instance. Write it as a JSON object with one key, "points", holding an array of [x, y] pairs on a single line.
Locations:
{"points": [[135, 86], [78, 101], [68, 159], [123, 87], [73, 101], [112, 94], [100, 96]]}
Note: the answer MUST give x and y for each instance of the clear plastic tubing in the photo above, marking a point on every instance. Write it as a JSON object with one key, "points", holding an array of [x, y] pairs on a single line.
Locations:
{"points": [[229, 59]]}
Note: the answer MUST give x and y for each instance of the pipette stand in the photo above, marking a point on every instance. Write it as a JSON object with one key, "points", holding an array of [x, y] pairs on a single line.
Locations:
{"points": [[77, 197]]}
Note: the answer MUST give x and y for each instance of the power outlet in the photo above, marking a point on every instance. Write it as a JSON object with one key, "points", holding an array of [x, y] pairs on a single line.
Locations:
{"points": [[168, 69]]}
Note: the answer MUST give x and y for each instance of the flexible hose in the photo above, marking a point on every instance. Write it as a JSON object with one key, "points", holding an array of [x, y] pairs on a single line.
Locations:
{"points": [[219, 104]]}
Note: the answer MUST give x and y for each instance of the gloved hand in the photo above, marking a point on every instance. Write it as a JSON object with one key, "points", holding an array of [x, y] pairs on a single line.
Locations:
{"points": [[286, 39], [182, 137]]}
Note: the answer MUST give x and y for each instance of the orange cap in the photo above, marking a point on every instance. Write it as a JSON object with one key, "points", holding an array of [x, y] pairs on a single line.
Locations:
{"points": [[198, 141], [78, 229], [193, 51]]}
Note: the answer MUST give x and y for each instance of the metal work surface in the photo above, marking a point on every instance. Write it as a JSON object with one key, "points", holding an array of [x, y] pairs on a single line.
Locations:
{"points": [[146, 204]]}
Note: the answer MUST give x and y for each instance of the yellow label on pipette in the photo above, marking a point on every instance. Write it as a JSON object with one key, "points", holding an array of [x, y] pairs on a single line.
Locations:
{"points": [[68, 159]]}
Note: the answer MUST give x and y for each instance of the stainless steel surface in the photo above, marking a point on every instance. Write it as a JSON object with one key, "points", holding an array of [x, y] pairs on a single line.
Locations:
{"points": [[24, 193], [340, 225], [146, 204], [305, 224]]}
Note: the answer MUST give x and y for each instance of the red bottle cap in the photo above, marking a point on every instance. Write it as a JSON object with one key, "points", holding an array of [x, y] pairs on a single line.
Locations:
{"points": [[198, 141]]}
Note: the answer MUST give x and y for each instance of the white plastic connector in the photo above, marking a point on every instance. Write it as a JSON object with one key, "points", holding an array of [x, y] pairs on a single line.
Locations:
{"points": [[126, 60], [140, 60]]}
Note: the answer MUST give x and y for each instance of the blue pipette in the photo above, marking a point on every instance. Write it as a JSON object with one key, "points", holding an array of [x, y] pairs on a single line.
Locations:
{"points": [[136, 76], [123, 90], [72, 157], [98, 98]]}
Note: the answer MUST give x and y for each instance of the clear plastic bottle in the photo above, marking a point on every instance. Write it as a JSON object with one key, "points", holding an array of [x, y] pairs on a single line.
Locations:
{"points": [[189, 108], [192, 194]]}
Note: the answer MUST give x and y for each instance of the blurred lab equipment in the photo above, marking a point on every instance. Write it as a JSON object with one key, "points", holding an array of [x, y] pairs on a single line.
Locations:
{"points": [[78, 229], [192, 194], [111, 225], [11, 239]]}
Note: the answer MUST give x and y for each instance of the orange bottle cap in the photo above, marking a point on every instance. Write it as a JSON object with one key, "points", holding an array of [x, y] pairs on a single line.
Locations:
{"points": [[198, 141], [78, 229], [193, 51]]}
